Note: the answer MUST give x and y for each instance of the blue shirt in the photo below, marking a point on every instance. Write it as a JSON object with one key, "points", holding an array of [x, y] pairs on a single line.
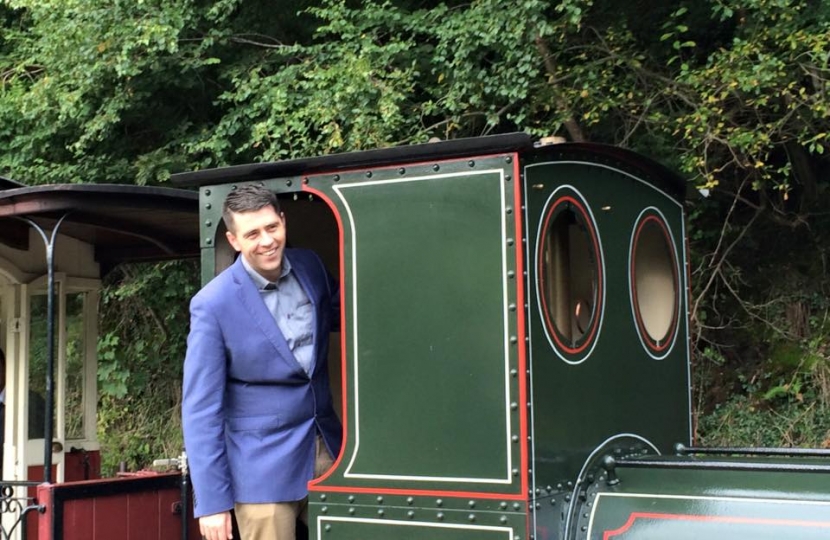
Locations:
{"points": [[291, 309]]}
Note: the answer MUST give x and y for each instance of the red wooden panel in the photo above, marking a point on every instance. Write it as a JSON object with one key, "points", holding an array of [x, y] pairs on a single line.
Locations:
{"points": [[35, 474], [82, 466], [78, 520], [143, 516], [110, 518]]}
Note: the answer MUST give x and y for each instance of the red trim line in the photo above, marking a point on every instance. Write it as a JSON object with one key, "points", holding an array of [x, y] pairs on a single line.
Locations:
{"points": [[522, 334], [591, 227], [342, 332], [672, 332], [713, 519]]}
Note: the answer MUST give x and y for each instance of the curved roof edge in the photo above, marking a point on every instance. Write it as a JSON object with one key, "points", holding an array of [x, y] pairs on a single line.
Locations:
{"points": [[455, 148]]}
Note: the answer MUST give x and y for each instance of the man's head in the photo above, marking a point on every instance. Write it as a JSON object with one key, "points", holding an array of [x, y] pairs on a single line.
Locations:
{"points": [[256, 228]]}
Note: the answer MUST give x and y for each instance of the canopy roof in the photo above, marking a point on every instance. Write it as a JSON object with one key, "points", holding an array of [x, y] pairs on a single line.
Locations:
{"points": [[124, 223]]}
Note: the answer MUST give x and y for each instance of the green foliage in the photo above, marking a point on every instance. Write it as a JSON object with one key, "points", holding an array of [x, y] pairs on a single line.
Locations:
{"points": [[733, 93], [140, 353]]}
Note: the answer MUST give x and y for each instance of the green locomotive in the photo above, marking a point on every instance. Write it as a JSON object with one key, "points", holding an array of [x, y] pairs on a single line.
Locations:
{"points": [[514, 352]]}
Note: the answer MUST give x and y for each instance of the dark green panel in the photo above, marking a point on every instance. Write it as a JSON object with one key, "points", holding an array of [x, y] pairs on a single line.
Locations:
{"points": [[653, 518], [431, 372], [617, 388], [361, 529]]}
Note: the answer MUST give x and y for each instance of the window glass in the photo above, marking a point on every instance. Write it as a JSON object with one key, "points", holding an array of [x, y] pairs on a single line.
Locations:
{"points": [[654, 282], [75, 370], [38, 358], [569, 275]]}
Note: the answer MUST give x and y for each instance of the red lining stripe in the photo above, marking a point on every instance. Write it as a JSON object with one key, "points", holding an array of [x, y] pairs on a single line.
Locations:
{"points": [[314, 485], [712, 519], [670, 335], [591, 227]]}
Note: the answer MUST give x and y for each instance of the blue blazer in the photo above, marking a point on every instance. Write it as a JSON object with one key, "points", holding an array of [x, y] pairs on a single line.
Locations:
{"points": [[249, 410]]}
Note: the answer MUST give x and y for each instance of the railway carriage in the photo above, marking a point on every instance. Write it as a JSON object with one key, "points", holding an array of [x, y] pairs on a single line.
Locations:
{"points": [[513, 357]]}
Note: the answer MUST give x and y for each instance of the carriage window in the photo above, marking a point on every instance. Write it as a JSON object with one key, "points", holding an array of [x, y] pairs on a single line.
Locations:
{"points": [[75, 365], [569, 275], [654, 282], [37, 364]]}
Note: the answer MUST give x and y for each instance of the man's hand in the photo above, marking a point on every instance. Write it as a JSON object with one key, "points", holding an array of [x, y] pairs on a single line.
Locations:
{"points": [[216, 526]]}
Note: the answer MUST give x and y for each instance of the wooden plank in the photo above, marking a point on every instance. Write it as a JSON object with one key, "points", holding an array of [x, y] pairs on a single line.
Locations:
{"points": [[78, 519], [143, 516], [110, 518]]}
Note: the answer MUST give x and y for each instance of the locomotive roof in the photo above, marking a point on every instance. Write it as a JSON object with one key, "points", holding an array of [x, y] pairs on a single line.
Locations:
{"points": [[451, 149], [124, 223]]}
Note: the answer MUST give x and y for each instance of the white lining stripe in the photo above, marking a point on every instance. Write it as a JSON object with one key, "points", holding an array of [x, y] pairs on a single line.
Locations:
{"points": [[320, 519], [507, 479]]}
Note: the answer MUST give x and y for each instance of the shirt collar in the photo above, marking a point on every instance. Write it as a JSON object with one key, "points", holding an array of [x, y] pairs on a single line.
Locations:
{"points": [[260, 281]]}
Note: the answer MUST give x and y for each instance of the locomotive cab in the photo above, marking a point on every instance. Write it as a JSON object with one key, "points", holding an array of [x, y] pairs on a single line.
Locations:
{"points": [[507, 310]]}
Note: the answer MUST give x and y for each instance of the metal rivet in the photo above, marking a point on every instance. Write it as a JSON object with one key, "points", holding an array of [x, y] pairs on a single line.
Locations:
{"points": [[324, 509], [515, 472], [288, 183], [538, 491], [584, 528], [503, 519], [410, 500], [380, 512], [351, 511], [503, 505], [471, 517], [507, 178], [380, 500], [351, 498], [208, 223], [509, 210], [208, 241], [233, 188], [553, 502], [513, 339], [436, 167], [401, 171], [548, 488], [368, 174], [322, 496], [440, 515], [508, 159], [411, 514], [207, 192], [439, 502], [509, 241], [514, 406], [471, 163], [336, 177], [513, 372], [515, 438], [511, 274], [516, 506], [305, 180], [471, 504], [208, 206], [512, 307], [327, 527]]}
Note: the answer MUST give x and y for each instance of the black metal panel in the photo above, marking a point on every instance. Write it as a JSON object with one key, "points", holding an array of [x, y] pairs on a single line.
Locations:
{"points": [[457, 148]]}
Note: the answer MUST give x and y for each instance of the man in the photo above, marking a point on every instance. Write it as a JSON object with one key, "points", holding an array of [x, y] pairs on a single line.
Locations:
{"points": [[257, 408]]}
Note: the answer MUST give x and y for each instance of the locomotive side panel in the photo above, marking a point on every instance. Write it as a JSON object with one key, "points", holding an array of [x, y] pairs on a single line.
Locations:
{"points": [[607, 322]]}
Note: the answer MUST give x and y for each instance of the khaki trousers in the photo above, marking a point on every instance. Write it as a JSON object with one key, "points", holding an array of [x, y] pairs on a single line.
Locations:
{"points": [[278, 521]]}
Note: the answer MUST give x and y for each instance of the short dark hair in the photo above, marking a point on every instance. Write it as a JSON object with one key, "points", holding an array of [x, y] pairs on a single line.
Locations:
{"points": [[247, 198]]}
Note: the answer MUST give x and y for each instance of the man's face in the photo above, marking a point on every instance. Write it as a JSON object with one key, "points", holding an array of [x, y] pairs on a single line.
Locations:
{"points": [[260, 237]]}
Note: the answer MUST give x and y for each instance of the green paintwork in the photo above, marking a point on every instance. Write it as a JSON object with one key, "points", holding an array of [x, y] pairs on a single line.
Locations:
{"points": [[716, 505], [618, 387], [427, 360], [359, 529]]}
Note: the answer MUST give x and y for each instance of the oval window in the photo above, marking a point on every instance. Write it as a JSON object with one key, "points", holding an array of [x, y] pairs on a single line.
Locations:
{"points": [[655, 292], [570, 276]]}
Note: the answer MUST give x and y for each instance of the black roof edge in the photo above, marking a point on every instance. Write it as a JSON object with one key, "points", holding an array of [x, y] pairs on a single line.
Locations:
{"points": [[8, 183], [455, 148]]}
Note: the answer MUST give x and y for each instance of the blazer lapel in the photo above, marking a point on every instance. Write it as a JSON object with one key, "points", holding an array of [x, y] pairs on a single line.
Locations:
{"points": [[250, 298]]}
